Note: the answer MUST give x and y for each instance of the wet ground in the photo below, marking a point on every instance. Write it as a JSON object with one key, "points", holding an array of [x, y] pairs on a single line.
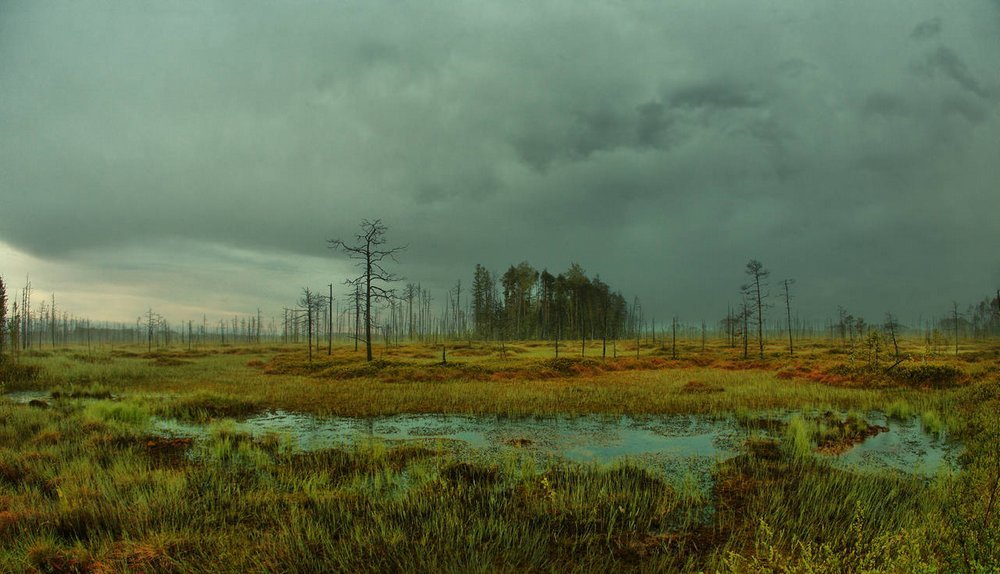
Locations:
{"points": [[25, 397], [905, 447], [680, 444]]}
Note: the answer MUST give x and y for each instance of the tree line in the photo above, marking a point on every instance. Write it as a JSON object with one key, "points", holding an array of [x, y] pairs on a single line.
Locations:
{"points": [[522, 303]]}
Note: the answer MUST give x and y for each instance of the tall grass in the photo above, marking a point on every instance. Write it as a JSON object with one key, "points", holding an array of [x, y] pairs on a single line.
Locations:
{"points": [[932, 423], [797, 443], [900, 409], [103, 495], [86, 486]]}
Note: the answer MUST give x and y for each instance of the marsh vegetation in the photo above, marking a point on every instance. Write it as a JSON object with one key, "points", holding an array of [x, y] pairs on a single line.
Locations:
{"points": [[496, 461]]}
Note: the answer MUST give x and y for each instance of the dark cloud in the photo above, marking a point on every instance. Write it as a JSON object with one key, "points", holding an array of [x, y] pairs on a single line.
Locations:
{"points": [[947, 62], [883, 104], [719, 94], [596, 130], [659, 144], [795, 67], [927, 29], [652, 128], [972, 111]]}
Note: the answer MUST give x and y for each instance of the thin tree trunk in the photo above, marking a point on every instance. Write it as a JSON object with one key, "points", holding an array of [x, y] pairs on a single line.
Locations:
{"points": [[329, 323], [673, 340], [760, 318]]}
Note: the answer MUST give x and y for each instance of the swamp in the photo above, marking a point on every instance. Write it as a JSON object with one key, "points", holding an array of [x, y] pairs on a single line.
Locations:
{"points": [[254, 458]]}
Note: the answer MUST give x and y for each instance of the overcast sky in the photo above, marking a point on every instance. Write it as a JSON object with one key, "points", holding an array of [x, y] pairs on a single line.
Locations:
{"points": [[195, 156]]}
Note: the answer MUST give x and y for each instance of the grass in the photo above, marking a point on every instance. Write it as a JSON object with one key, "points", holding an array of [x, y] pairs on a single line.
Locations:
{"points": [[797, 443], [527, 382], [932, 422], [87, 486], [899, 410]]}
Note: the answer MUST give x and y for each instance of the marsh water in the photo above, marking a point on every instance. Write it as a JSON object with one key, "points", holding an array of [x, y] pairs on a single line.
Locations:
{"points": [[677, 443]]}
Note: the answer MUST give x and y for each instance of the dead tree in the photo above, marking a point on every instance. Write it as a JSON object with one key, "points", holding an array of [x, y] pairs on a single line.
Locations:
{"points": [[785, 284], [755, 269], [52, 321], [152, 321], [357, 316], [26, 314], [891, 325], [329, 322], [311, 304], [673, 339], [744, 319], [955, 316], [369, 251], [3, 315]]}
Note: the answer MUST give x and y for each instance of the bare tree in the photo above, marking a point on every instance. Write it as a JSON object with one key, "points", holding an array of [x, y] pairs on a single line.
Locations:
{"points": [[52, 321], [891, 325], [955, 315], [310, 303], [3, 315], [746, 311], [785, 284], [409, 294], [329, 322], [845, 322], [755, 269], [357, 315], [153, 320], [369, 251], [673, 339], [26, 314]]}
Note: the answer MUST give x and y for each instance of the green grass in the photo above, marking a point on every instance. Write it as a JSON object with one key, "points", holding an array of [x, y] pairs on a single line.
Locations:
{"points": [[86, 486], [932, 422], [900, 410], [797, 443], [224, 382]]}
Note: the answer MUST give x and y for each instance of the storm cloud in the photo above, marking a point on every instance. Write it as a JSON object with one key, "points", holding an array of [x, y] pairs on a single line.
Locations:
{"points": [[176, 149]]}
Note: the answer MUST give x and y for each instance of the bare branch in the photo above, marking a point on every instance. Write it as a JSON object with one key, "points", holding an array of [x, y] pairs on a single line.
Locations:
{"points": [[368, 253]]}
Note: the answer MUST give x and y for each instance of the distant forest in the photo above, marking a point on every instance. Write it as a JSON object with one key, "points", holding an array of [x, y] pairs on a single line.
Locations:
{"points": [[524, 303], [521, 303]]}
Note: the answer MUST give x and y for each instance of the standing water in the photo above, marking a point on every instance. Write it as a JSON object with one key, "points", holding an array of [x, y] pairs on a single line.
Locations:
{"points": [[679, 442]]}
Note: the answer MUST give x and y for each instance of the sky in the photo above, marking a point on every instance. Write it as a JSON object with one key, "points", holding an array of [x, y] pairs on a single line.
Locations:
{"points": [[196, 156]]}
